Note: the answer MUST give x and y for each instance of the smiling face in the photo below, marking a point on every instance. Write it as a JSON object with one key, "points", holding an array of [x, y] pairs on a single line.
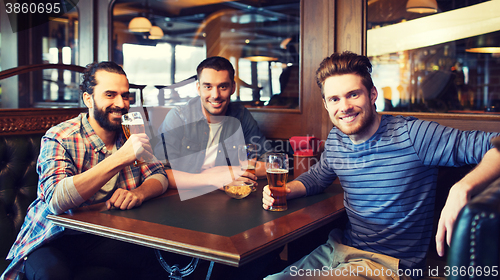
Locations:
{"points": [[215, 89], [109, 101], [351, 106]]}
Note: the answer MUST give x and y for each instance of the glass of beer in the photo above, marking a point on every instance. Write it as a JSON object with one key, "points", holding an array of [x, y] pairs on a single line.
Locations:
{"points": [[132, 123], [277, 176], [247, 155]]}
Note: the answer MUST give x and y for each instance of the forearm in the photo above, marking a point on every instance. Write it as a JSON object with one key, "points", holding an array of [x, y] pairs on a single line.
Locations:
{"points": [[65, 197], [179, 179], [260, 169], [215, 177], [90, 181], [478, 179], [484, 174], [297, 189], [152, 187]]}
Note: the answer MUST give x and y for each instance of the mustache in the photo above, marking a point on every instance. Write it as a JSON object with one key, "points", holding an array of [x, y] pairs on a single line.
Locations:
{"points": [[348, 111], [116, 110]]}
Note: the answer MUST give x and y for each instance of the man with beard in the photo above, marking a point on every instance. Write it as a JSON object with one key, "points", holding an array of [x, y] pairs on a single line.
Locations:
{"points": [[200, 138], [387, 166], [87, 160]]}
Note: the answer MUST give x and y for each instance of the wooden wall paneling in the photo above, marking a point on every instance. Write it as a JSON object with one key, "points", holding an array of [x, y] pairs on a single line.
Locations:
{"points": [[29, 121], [278, 125], [318, 25], [350, 26]]}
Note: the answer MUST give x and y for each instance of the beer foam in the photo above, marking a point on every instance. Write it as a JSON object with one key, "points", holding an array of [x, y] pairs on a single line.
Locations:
{"points": [[277, 171], [133, 121]]}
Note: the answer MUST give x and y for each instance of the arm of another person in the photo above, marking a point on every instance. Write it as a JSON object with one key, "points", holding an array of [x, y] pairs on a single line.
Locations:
{"points": [[319, 177], [477, 180], [438, 145], [215, 177], [153, 186], [70, 189]]}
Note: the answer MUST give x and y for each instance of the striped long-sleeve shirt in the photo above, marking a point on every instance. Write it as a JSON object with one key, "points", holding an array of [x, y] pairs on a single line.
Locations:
{"points": [[67, 149], [389, 181]]}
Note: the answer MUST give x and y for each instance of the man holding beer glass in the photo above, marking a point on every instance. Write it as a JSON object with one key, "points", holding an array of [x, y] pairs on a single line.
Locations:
{"points": [[87, 160], [201, 138], [387, 166]]}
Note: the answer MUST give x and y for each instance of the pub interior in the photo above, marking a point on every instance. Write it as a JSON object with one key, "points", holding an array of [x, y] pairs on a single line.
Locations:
{"points": [[426, 63]]}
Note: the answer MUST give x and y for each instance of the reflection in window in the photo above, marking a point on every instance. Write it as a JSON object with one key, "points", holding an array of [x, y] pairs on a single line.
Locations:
{"points": [[260, 39], [424, 63], [59, 40]]}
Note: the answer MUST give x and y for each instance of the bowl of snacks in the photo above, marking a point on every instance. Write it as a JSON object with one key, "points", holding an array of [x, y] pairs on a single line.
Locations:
{"points": [[238, 189]]}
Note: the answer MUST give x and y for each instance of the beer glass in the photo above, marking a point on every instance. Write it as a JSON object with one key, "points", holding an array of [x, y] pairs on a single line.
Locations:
{"points": [[132, 123], [247, 155], [277, 176]]}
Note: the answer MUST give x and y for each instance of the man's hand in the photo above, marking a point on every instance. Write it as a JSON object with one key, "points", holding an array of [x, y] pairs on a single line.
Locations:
{"points": [[137, 147], [221, 175], [294, 189], [267, 199], [124, 199], [457, 199]]}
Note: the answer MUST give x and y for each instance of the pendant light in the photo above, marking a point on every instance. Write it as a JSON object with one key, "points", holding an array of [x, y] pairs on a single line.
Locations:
{"points": [[421, 6], [155, 33], [258, 53], [139, 24], [484, 43]]}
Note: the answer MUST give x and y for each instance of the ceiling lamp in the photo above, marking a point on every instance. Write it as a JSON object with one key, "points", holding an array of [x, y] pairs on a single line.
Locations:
{"points": [[257, 54], [485, 43], [139, 24], [155, 33], [421, 6], [259, 58]]}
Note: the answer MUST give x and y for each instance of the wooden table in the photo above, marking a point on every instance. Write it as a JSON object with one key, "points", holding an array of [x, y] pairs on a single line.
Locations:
{"points": [[213, 227]]}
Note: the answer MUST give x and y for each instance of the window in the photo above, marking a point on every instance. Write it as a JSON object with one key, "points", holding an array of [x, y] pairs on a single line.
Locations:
{"points": [[59, 45], [425, 62], [260, 40], [32, 40]]}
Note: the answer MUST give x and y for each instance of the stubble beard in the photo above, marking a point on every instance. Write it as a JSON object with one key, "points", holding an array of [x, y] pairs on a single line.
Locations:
{"points": [[364, 124]]}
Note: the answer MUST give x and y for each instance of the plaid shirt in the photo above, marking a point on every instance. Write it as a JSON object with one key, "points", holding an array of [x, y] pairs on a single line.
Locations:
{"points": [[67, 149]]}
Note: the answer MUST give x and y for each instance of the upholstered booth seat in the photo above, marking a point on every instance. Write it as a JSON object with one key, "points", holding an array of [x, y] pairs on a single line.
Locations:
{"points": [[475, 246], [18, 185]]}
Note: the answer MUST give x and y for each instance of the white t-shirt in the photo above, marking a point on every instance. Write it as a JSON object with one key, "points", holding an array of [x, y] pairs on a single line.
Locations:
{"points": [[212, 145]]}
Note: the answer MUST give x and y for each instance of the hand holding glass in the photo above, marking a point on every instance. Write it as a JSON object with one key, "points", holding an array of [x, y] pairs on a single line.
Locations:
{"points": [[277, 176], [132, 123], [247, 155]]}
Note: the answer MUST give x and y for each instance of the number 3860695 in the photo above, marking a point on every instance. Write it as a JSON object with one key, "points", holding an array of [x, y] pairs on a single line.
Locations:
{"points": [[471, 271], [33, 8]]}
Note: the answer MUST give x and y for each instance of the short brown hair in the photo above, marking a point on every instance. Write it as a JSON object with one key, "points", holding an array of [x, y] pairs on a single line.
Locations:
{"points": [[345, 63], [216, 63]]}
